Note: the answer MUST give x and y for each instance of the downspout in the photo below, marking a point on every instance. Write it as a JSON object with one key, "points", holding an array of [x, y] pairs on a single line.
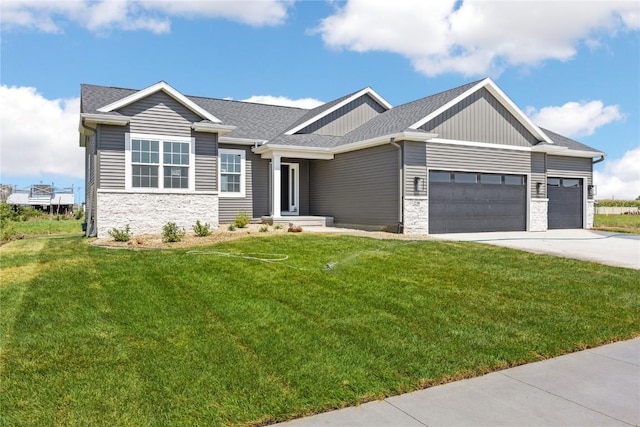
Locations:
{"points": [[400, 228], [90, 222], [593, 162]]}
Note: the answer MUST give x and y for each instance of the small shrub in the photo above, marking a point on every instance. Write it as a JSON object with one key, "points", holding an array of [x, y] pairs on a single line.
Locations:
{"points": [[242, 219], [231, 227], [78, 214], [201, 230], [171, 232], [278, 227], [120, 235], [264, 229]]}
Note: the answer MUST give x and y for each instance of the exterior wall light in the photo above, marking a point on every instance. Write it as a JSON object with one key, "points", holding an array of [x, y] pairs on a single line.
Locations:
{"points": [[417, 183], [592, 190], [538, 187]]}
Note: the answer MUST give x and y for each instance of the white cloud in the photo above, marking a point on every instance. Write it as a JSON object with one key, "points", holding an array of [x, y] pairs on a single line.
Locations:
{"points": [[39, 136], [475, 37], [287, 102], [575, 119], [150, 15], [620, 178]]}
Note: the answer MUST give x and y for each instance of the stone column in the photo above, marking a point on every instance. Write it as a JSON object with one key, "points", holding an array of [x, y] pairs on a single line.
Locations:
{"points": [[416, 215], [539, 215]]}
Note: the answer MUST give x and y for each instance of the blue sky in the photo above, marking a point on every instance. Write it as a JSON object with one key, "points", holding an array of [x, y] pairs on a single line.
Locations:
{"points": [[573, 67]]}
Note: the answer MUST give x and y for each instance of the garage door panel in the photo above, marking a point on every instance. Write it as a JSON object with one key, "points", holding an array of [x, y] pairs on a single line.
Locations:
{"points": [[565, 204], [459, 208]]}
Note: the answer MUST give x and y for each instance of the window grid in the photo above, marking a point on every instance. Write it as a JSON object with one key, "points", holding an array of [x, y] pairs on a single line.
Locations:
{"points": [[230, 172], [146, 165]]}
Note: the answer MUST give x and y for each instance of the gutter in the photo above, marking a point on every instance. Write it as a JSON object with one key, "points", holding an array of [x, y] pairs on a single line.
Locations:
{"points": [[593, 162]]}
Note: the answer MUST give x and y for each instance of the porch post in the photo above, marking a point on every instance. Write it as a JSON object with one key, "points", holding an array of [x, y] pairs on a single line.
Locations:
{"points": [[276, 184]]}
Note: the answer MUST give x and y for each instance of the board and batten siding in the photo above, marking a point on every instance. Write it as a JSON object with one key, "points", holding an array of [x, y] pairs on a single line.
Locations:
{"points": [[538, 174], [570, 167], [206, 161], [346, 118], [480, 118], [256, 202], [160, 114], [415, 166], [111, 167], [359, 187], [477, 159]]}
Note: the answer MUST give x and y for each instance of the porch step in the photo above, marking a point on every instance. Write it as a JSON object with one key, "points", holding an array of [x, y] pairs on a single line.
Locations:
{"points": [[302, 221]]}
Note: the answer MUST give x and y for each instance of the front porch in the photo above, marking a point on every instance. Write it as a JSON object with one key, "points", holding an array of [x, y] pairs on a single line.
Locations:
{"points": [[301, 220]]}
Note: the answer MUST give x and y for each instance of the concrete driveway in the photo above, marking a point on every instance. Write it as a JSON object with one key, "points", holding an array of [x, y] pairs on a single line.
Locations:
{"points": [[619, 250]]}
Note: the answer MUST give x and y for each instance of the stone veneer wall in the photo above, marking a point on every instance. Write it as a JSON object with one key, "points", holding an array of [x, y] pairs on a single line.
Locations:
{"points": [[147, 213], [590, 212], [538, 211], [416, 215]]}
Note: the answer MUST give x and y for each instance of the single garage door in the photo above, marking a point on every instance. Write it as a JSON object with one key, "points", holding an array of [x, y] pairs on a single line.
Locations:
{"points": [[565, 202], [464, 202]]}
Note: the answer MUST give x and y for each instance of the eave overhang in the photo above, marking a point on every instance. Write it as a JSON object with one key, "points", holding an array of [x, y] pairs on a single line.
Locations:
{"points": [[220, 129]]}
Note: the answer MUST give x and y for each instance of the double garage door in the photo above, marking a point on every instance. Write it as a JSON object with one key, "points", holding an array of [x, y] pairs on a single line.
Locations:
{"points": [[464, 202]]}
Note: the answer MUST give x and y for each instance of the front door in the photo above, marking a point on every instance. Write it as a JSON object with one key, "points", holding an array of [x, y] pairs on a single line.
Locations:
{"points": [[289, 194]]}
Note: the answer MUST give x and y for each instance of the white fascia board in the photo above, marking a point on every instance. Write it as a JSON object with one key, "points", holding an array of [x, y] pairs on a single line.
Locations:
{"points": [[105, 119], [355, 96], [166, 88], [240, 141], [212, 128], [385, 139], [267, 152], [579, 153], [501, 97]]}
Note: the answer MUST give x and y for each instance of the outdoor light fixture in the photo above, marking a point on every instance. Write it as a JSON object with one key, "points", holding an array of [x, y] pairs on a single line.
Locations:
{"points": [[538, 187], [592, 190], [417, 183]]}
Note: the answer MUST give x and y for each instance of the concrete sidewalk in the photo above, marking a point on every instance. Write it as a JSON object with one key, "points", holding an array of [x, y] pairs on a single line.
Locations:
{"points": [[597, 387]]}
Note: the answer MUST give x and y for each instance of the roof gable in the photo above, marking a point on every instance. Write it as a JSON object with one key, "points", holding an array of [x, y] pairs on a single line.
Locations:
{"points": [[166, 88], [324, 110], [500, 96]]}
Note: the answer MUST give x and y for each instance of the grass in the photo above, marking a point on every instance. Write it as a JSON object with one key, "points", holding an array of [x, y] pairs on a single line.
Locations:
{"points": [[41, 227], [92, 336], [617, 223]]}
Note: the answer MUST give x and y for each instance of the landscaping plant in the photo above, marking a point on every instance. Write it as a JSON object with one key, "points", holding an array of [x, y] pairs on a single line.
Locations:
{"points": [[172, 233]]}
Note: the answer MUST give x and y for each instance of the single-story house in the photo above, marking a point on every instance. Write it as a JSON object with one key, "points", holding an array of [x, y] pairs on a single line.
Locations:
{"points": [[464, 160]]}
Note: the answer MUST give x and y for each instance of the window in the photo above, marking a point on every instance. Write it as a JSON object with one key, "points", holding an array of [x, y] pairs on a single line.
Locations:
{"points": [[158, 162], [465, 178], [232, 173], [553, 182], [489, 178], [436, 176], [569, 182], [513, 180]]}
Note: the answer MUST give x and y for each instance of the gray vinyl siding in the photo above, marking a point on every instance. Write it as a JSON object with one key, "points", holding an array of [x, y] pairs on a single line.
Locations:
{"points": [[159, 114], [415, 165], [538, 174], [111, 164], [346, 118], [90, 184], [570, 167], [304, 186], [480, 118], [206, 162], [359, 187], [256, 202], [477, 159]]}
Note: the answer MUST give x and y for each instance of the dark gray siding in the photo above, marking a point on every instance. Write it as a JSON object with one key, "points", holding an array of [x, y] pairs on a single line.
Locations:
{"points": [[538, 175], [206, 163], [480, 118], [346, 118], [90, 184], [415, 161], [256, 202], [159, 114], [110, 144], [477, 159], [359, 187], [569, 167]]}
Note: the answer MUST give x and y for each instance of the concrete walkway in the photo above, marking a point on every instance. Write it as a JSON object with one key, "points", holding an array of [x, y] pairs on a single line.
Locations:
{"points": [[597, 387]]}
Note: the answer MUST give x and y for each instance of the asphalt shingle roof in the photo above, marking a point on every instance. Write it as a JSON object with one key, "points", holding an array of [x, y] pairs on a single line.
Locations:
{"points": [[270, 122]]}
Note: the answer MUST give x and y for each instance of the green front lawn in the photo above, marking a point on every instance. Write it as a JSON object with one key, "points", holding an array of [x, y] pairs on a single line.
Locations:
{"points": [[93, 336], [617, 223]]}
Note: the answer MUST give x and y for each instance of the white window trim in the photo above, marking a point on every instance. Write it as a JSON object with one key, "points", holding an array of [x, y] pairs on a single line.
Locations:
{"points": [[161, 138], [243, 173]]}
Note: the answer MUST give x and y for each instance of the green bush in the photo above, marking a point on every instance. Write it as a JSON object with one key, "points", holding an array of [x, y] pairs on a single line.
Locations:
{"points": [[264, 229], [120, 235], [171, 232], [79, 213], [201, 230], [242, 219], [28, 213], [231, 227], [618, 203]]}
